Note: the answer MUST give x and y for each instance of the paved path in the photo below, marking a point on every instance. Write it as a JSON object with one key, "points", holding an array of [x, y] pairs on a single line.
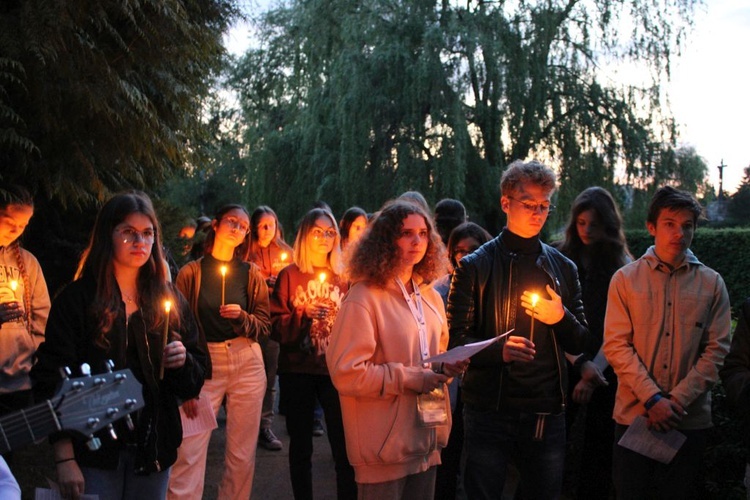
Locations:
{"points": [[272, 467]]}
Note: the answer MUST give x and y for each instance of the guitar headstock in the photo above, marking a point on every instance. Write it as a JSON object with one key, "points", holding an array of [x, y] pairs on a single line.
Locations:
{"points": [[88, 404]]}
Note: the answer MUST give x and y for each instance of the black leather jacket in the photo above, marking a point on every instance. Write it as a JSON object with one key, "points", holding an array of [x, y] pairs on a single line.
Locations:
{"points": [[483, 302]]}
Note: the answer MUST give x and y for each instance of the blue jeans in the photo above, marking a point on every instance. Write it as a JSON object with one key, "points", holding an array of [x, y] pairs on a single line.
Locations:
{"points": [[123, 483], [494, 439]]}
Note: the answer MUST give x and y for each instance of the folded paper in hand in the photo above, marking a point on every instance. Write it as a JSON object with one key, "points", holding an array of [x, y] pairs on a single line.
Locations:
{"points": [[459, 353], [659, 446]]}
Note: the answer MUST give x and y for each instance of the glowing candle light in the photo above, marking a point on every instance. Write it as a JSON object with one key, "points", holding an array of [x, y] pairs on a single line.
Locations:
{"points": [[534, 300], [223, 282], [14, 287], [165, 337], [322, 278], [284, 256]]}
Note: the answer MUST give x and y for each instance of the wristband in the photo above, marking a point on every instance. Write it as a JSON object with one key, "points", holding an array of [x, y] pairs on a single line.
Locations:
{"points": [[652, 401], [58, 462]]}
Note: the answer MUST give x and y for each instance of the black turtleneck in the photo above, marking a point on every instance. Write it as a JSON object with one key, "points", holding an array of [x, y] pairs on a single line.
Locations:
{"points": [[532, 386]]}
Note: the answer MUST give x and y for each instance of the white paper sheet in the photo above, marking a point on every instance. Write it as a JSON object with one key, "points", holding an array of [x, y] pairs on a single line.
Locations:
{"points": [[459, 353], [204, 421], [660, 446]]}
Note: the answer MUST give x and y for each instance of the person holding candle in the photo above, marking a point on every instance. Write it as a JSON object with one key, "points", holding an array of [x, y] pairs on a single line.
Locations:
{"points": [[514, 392], [304, 304], [232, 330], [24, 300], [595, 242], [272, 254], [395, 406], [114, 312]]}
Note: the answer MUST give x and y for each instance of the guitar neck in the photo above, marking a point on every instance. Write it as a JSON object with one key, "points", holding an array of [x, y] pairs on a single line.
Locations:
{"points": [[23, 427]]}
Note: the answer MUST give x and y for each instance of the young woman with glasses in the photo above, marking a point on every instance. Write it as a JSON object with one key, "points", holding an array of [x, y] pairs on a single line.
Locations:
{"points": [[115, 311], [304, 304], [229, 298]]}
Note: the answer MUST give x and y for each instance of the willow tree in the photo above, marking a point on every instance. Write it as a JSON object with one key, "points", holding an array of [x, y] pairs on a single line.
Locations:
{"points": [[100, 96], [355, 101]]}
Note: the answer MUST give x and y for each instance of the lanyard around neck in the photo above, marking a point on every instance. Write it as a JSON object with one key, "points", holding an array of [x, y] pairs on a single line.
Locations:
{"points": [[415, 306]]}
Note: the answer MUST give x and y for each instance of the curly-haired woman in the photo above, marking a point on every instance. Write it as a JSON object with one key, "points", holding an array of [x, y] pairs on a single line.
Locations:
{"points": [[395, 407]]}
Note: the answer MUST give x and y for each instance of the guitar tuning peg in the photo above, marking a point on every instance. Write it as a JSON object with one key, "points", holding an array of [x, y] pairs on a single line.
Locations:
{"points": [[129, 423], [112, 432], [109, 365], [94, 443], [86, 370], [65, 372]]}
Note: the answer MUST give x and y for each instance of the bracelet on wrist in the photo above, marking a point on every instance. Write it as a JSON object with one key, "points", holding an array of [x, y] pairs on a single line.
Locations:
{"points": [[652, 401]]}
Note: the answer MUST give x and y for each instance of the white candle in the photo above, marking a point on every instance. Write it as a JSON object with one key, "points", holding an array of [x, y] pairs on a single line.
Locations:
{"points": [[165, 337], [223, 282], [534, 300]]}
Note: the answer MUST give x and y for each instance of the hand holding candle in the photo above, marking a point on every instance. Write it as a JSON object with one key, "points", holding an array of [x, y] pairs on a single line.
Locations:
{"points": [[223, 282], [548, 311], [165, 336]]}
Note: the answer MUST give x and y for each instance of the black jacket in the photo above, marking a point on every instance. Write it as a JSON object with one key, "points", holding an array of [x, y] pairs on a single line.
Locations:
{"points": [[70, 335], [482, 303]]}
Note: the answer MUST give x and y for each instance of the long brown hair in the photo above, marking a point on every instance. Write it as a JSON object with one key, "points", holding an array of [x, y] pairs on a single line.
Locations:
{"points": [[96, 263], [612, 252], [242, 251], [12, 194]]}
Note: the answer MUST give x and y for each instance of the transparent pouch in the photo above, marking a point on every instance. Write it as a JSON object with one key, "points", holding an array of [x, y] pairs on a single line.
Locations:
{"points": [[433, 407]]}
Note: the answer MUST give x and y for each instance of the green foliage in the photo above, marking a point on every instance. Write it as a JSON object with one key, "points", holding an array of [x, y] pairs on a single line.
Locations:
{"points": [[724, 250], [355, 103], [100, 96], [739, 204]]}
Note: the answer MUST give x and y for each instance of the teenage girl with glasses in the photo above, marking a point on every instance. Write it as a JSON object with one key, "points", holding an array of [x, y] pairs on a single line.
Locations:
{"points": [[115, 310], [304, 304]]}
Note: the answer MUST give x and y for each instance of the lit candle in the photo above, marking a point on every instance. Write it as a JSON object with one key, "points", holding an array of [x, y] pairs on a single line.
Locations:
{"points": [[14, 287], [165, 337], [534, 300], [284, 256], [322, 278], [223, 282]]}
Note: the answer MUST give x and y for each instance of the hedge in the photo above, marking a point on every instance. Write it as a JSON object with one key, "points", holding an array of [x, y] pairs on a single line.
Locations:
{"points": [[725, 250]]}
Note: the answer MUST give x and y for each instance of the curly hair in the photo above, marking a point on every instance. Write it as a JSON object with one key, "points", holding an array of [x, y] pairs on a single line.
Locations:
{"points": [[376, 253], [610, 253], [520, 172]]}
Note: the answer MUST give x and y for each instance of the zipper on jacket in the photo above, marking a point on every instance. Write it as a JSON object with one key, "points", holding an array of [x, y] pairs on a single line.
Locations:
{"points": [[507, 324], [556, 286]]}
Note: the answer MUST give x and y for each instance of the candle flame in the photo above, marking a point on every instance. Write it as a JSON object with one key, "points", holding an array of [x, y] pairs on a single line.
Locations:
{"points": [[534, 299], [284, 256], [322, 277], [167, 306], [223, 270], [14, 285]]}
